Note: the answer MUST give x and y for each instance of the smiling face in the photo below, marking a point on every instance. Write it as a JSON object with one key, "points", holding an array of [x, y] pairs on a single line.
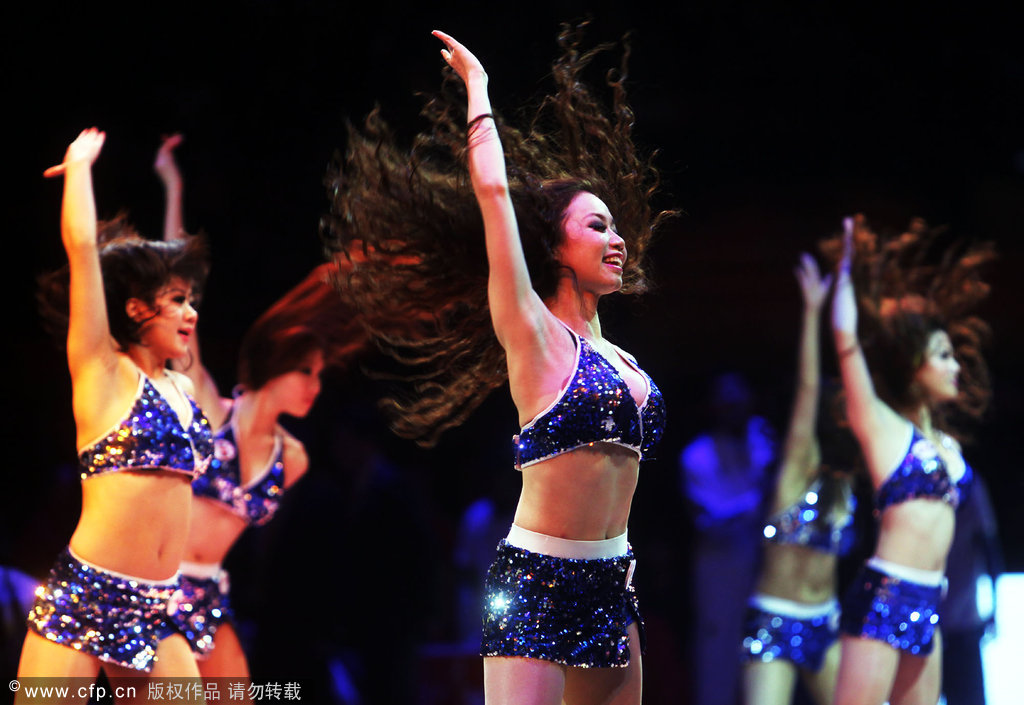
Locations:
{"points": [[590, 247], [167, 325], [295, 391], [937, 377]]}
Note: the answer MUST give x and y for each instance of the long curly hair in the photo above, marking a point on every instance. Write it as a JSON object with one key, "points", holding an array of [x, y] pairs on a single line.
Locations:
{"points": [[909, 285], [408, 222], [132, 267]]}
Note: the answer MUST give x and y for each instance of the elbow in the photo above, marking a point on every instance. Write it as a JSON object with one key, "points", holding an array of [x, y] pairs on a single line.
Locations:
{"points": [[492, 189]]}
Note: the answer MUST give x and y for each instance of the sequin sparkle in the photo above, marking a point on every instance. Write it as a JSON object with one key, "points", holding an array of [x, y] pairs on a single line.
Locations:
{"points": [[571, 611], [151, 437], [116, 619], [595, 407]]}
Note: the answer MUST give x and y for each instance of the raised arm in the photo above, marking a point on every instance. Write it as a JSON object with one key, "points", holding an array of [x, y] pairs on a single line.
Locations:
{"points": [[89, 342], [800, 453], [875, 425], [204, 387], [515, 307], [167, 169]]}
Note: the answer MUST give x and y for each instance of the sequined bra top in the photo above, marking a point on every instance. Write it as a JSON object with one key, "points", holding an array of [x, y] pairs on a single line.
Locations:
{"points": [[256, 500], [594, 407], [801, 523], [151, 437], [922, 474]]}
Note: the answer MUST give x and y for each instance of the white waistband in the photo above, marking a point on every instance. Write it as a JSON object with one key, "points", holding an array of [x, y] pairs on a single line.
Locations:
{"points": [[567, 548], [932, 578], [123, 576], [201, 570], [789, 608]]}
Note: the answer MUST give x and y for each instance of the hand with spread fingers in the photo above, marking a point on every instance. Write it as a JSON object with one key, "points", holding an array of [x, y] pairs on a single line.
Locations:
{"points": [[813, 287], [84, 150]]}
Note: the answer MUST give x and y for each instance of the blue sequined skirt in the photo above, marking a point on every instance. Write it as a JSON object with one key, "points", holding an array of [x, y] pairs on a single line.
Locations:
{"points": [[116, 618], [771, 634], [900, 612], [568, 610], [200, 608]]}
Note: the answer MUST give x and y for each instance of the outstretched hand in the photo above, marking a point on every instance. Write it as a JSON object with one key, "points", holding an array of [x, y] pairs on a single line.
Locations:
{"points": [[459, 57], [164, 165], [813, 286], [844, 303], [84, 150]]}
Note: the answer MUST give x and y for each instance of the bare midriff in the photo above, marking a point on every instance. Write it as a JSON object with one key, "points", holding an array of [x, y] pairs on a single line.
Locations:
{"points": [[798, 573], [582, 495], [916, 533], [135, 522], [213, 531]]}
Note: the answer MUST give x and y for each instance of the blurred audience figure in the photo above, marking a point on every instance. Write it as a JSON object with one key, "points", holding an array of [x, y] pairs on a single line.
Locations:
{"points": [[968, 612], [725, 475], [17, 591]]}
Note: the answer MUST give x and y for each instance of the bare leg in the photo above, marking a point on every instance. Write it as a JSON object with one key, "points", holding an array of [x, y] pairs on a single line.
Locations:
{"points": [[769, 683], [227, 660], [522, 681], [919, 679], [132, 687], [867, 670], [608, 686], [174, 659], [822, 683], [42, 658]]}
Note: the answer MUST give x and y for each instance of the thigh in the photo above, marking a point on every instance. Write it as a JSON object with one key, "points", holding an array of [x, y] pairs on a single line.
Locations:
{"points": [[174, 659], [867, 669], [227, 658], [822, 683], [41, 657], [514, 680], [59, 665], [608, 686], [770, 683], [919, 678]]}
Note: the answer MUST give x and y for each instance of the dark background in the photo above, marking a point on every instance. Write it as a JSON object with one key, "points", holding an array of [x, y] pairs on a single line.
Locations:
{"points": [[771, 123]]}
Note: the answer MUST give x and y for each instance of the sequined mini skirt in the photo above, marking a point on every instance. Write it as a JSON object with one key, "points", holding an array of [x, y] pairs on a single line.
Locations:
{"points": [[776, 628], [572, 611], [116, 618], [901, 612], [201, 606]]}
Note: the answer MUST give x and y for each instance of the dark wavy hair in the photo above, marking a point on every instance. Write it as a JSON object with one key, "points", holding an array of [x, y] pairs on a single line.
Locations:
{"points": [[408, 222], [910, 285], [132, 267], [309, 317]]}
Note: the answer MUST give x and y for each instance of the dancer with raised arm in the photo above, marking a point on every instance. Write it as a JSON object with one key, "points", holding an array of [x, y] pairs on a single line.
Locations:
{"points": [[565, 219], [125, 304], [898, 383], [256, 460], [792, 626]]}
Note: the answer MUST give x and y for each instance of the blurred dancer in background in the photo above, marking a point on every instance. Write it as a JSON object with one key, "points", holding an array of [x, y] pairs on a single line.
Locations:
{"points": [[919, 356], [792, 625], [255, 460]]}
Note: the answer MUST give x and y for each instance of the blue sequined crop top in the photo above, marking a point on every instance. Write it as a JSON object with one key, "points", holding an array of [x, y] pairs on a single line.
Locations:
{"points": [[256, 500], [922, 474], [800, 524], [594, 407], [151, 437]]}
